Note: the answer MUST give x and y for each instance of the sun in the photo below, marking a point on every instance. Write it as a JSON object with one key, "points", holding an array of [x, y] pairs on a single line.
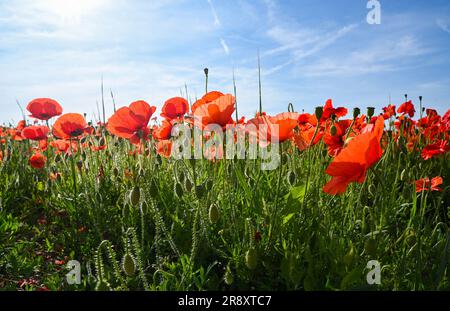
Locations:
{"points": [[72, 11]]}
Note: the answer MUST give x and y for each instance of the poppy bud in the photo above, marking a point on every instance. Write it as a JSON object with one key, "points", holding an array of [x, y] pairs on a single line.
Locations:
{"points": [[80, 165], [319, 112], [141, 172], [214, 213], [420, 98], [370, 112], [188, 185], [158, 159], [102, 142], [251, 258], [333, 130], [83, 139], [103, 286], [206, 71], [116, 171], [406, 97], [228, 277], [200, 191], [58, 158], [135, 195], [128, 264], [291, 177], [403, 175], [284, 158], [356, 112], [181, 177], [178, 190]]}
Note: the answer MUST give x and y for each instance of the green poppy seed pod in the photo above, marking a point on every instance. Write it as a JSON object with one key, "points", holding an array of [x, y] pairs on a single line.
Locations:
{"points": [[103, 286], [251, 258], [206, 71], [370, 247], [228, 277], [370, 112], [356, 112], [188, 185], [333, 130], [319, 112], [349, 257], [135, 196], [372, 190], [403, 175], [406, 96], [291, 178], [128, 264], [214, 213], [200, 191], [178, 190]]}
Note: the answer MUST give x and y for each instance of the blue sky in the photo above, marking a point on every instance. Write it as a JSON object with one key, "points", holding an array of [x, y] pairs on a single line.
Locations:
{"points": [[310, 51]]}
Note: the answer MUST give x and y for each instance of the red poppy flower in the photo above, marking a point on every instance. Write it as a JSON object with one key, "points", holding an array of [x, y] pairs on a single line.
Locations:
{"points": [[304, 139], [175, 108], [335, 140], [218, 111], [35, 132], [44, 108], [37, 161], [70, 125], [164, 148], [388, 111], [207, 98], [21, 125], [407, 108], [267, 128], [352, 163], [131, 122], [425, 184], [436, 149], [164, 131], [329, 110]]}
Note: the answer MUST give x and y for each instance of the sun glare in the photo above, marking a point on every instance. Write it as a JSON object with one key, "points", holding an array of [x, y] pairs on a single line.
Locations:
{"points": [[71, 11]]}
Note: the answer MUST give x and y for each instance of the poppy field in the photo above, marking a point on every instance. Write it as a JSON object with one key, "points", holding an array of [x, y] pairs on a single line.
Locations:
{"points": [[109, 200]]}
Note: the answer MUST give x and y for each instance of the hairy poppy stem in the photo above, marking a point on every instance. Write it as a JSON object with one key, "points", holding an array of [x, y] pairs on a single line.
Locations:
{"points": [[259, 84]]}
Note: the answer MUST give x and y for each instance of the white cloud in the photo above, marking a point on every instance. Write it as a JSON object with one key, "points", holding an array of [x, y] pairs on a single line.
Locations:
{"points": [[225, 46], [214, 13]]}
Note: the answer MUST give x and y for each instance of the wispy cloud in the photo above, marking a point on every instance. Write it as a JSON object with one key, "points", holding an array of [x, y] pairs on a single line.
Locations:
{"points": [[214, 13], [444, 25], [225, 46]]}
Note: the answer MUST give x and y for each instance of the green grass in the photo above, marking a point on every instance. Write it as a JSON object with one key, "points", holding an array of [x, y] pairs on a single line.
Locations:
{"points": [[309, 240]]}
